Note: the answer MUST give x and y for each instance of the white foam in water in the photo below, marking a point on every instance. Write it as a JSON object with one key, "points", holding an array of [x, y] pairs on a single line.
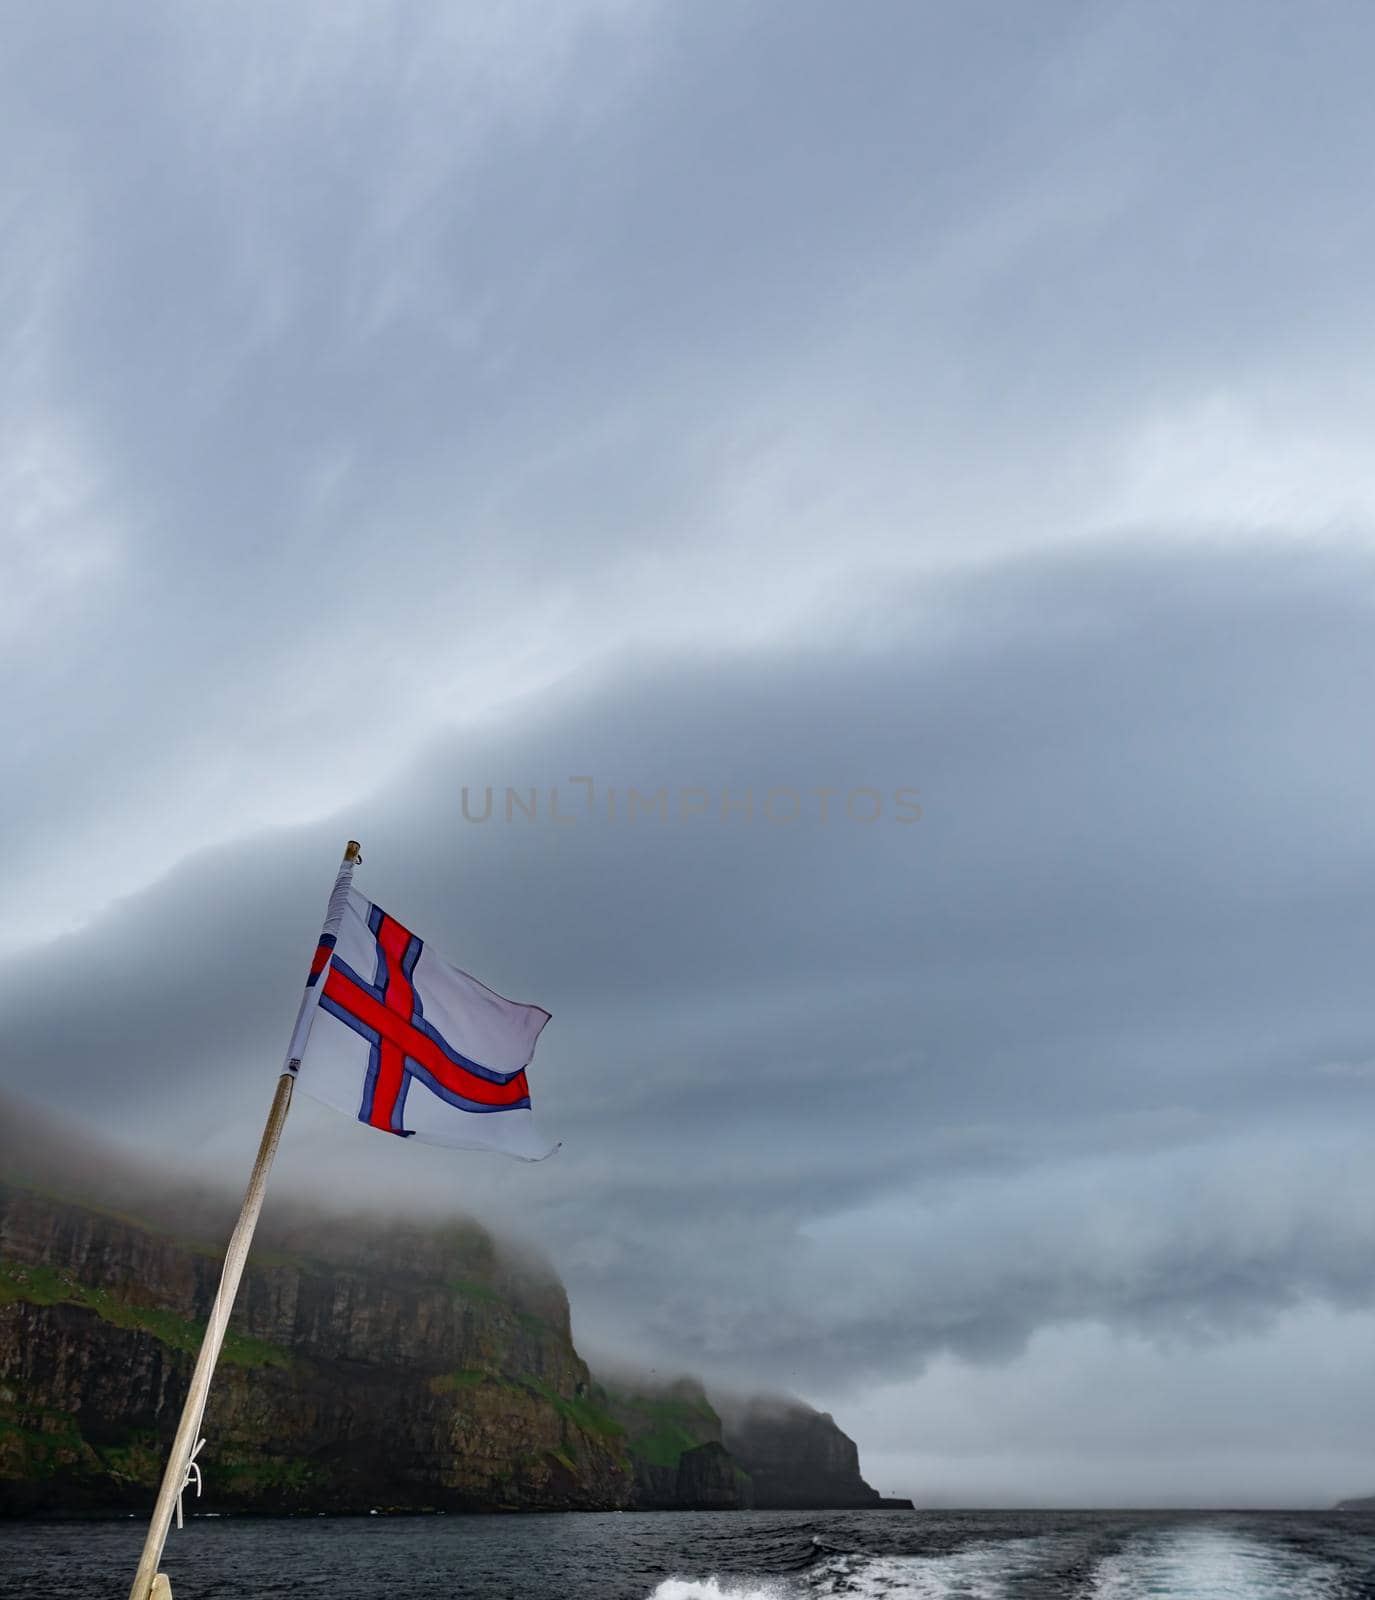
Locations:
{"points": [[968, 1575], [971, 1574], [1204, 1561], [981, 1571], [713, 1589], [1212, 1563]]}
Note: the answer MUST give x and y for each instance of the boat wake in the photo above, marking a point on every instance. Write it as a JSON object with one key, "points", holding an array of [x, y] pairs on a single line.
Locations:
{"points": [[1184, 1562], [1210, 1563], [976, 1572]]}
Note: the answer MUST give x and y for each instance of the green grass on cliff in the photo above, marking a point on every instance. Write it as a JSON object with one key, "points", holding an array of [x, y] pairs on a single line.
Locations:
{"points": [[37, 1442], [254, 1474], [464, 1378], [663, 1446], [139, 1460], [27, 1453], [582, 1411], [661, 1429], [47, 1286]]}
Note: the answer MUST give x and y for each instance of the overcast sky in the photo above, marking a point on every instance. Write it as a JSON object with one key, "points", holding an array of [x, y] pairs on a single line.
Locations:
{"points": [[973, 400]]}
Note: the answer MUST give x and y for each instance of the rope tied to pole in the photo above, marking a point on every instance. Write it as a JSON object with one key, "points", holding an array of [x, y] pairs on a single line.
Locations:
{"points": [[192, 1470]]}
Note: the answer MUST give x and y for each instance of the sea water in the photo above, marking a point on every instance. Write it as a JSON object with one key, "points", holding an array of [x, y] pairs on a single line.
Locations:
{"points": [[726, 1556]]}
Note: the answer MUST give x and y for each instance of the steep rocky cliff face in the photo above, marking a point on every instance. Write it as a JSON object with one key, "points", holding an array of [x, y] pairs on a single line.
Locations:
{"points": [[796, 1458], [400, 1367], [677, 1454], [366, 1366], [769, 1454]]}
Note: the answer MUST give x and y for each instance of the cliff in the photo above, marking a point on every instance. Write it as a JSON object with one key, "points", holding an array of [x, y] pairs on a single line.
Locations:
{"points": [[773, 1453], [1364, 1503], [677, 1454], [394, 1366], [796, 1458], [364, 1367]]}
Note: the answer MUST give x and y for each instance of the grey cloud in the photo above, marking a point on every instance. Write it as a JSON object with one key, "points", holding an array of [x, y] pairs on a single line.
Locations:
{"points": [[843, 1095], [400, 400], [1002, 1434], [340, 363]]}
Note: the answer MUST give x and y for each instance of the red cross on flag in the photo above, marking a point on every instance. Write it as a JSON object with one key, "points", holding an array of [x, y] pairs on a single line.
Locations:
{"points": [[410, 1045]]}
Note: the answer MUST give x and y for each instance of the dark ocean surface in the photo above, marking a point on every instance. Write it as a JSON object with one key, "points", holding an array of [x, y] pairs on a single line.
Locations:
{"points": [[980, 1555]]}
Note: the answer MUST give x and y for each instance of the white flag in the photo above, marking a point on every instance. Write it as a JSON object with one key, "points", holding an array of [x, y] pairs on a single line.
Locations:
{"points": [[410, 1045]]}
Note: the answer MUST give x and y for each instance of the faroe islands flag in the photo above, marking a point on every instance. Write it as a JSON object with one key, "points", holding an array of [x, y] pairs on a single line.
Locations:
{"points": [[411, 1045]]}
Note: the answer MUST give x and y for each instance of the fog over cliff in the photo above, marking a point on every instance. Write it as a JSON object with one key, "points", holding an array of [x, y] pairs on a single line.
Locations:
{"points": [[779, 397], [372, 1362]]}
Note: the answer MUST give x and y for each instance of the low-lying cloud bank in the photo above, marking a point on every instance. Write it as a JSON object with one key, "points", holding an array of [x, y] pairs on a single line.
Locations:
{"points": [[1085, 1043]]}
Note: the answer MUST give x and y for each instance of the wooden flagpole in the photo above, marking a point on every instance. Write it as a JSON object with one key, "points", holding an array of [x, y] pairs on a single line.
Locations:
{"points": [[149, 1583]]}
